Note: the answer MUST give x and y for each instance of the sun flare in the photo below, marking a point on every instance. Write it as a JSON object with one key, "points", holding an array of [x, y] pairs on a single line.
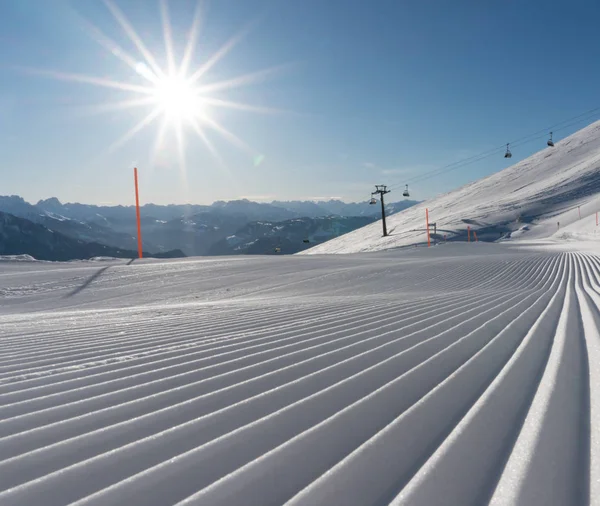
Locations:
{"points": [[179, 93], [177, 99]]}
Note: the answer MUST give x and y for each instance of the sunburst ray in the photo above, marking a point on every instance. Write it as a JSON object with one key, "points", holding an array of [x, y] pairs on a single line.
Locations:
{"points": [[181, 158], [115, 49], [121, 105], [144, 122], [240, 106], [82, 78], [234, 139], [192, 39], [159, 140], [179, 93], [167, 35], [134, 37], [243, 80], [219, 159], [226, 48]]}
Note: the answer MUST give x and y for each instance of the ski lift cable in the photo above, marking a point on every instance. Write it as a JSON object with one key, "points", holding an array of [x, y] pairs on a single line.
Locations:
{"points": [[486, 154], [518, 142], [446, 169], [426, 176], [556, 126], [450, 167]]}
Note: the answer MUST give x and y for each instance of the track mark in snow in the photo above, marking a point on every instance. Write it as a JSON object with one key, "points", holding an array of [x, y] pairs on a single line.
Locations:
{"points": [[405, 382]]}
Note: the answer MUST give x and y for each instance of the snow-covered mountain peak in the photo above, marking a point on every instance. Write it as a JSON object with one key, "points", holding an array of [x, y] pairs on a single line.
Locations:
{"points": [[50, 203]]}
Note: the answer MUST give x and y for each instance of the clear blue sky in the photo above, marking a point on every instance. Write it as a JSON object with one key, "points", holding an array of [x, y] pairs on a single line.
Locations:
{"points": [[379, 90]]}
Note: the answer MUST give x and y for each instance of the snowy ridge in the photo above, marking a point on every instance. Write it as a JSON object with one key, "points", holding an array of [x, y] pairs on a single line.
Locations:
{"points": [[454, 375], [17, 258], [528, 198]]}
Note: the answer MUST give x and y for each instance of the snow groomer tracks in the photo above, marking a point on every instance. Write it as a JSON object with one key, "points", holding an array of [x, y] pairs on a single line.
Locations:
{"points": [[372, 380]]}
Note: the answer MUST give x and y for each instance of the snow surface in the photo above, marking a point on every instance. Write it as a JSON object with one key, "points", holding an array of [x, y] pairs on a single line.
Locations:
{"points": [[17, 258], [526, 201], [463, 374]]}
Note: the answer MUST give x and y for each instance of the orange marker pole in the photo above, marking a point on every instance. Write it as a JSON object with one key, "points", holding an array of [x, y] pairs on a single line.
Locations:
{"points": [[137, 211], [427, 224], [468, 233], [475, 233]]}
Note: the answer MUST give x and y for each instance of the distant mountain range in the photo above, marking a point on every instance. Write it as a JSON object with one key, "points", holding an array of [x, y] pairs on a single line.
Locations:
{"points": [[21, 236], [290, 236], [234, 227]]}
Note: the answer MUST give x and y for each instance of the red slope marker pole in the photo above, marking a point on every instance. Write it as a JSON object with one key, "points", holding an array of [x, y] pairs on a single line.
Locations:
{"points": [[427, 224], [475, 233], [468, 233], [137, 212]]}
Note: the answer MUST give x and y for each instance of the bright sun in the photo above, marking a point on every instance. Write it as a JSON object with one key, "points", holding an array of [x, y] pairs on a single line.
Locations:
{"points": [[178, 94], [177, 98]]}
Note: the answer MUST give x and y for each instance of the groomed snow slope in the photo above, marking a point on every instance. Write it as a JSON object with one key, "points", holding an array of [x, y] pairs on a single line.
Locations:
{"points": [[462, 374], [530, 198]]}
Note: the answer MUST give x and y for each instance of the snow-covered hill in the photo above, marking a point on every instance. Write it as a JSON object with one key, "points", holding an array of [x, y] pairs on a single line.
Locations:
{"points": [[463, 374], [541, 197]]}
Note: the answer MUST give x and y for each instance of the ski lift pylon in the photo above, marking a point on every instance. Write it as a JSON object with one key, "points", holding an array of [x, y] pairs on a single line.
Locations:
{"points": [[550, 141], [508, 154], [405, 192]]}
